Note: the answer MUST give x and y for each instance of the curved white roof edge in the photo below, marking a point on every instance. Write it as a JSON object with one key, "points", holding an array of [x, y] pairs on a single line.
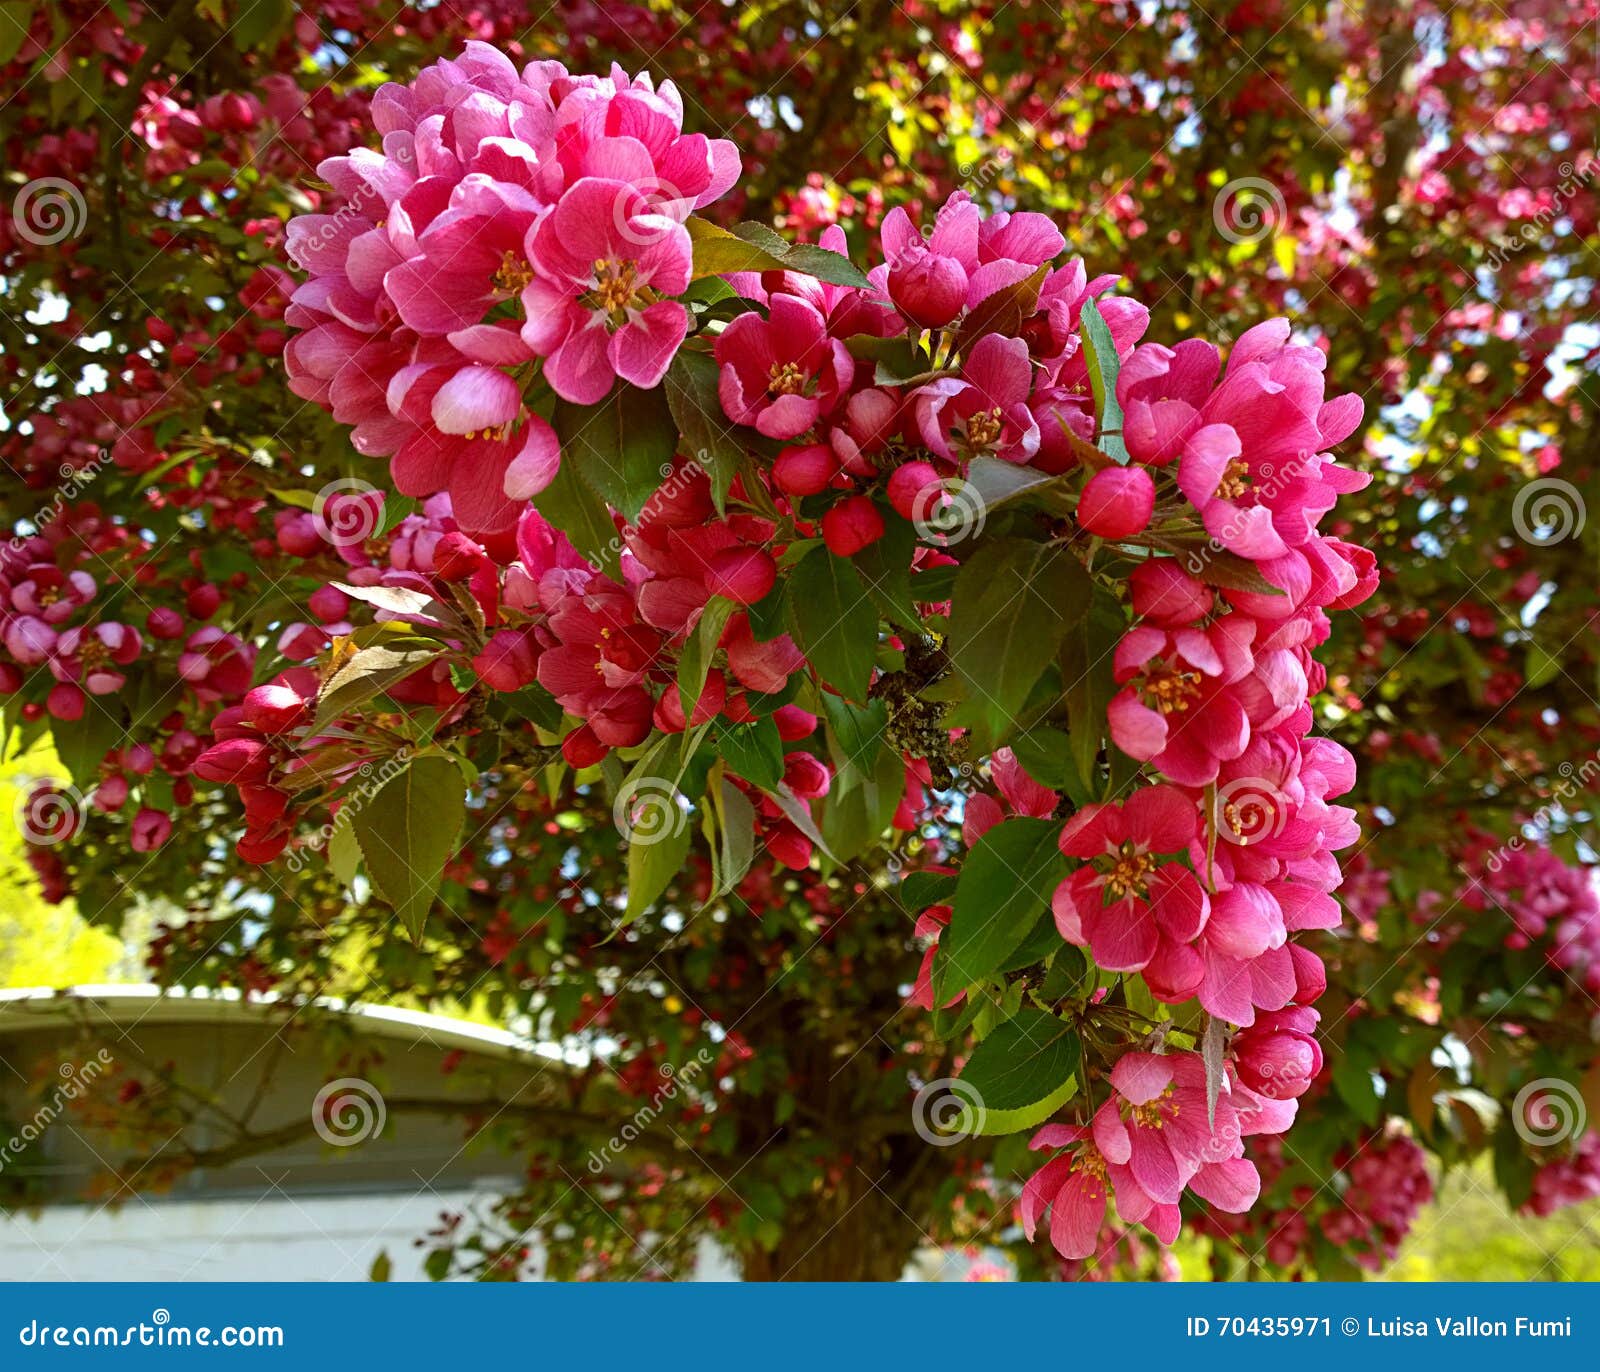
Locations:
{"points": [[47, 1007]]}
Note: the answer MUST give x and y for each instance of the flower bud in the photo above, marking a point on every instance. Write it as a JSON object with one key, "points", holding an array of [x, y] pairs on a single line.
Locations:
{"points": [[805, 471], [851, 525], [1117, 502], [929, 289]]}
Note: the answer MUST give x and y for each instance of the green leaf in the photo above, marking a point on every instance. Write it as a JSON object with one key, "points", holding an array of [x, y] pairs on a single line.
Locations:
{"points": [[885, 568], [343, 853], [1541, 665], [919, 890], [1088, 683], [408, 831], [1100, 352], [738, 834], [997, 483], [694, 660], [15, 19], [577, 509], [372, 671], [834, 621], [1013, 604], [754, 751], [82, 744], [623, 446], [810, 259], [855, 733], [858, 807], [1020, 1075], [706, 434], [1006, 880], [757, 248], [655, 856]]}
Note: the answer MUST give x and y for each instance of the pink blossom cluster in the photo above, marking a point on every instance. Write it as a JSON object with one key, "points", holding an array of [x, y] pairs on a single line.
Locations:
{"points": [[1567, 1179], [69, 659], [1152, 1140], [508, 218], [1551, 903], [1381, 1182]]}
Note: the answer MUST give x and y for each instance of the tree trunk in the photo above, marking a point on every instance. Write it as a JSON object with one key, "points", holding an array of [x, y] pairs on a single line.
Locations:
{"points": [[853, 1233]]}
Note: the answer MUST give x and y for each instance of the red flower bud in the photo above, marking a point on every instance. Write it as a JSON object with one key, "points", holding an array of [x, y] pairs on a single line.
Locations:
{"points": [[582, 749], [509, 661], [456, 557], [907, 485], [235, 760], [805, 471], [1117, 502], [273, 709], [851, 525], [929, 289], [807, 777]]}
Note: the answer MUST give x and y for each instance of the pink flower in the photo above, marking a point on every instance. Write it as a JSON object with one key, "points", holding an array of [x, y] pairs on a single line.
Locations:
{"points": [[151, 828], [1179, 708], [602, 260], [91, 656], [984, 412], [1124, 902], [782, 373], [966, 258]]}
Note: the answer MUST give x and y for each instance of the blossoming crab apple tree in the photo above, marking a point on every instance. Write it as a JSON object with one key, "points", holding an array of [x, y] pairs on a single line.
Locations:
{"points": [[1462, 687], [771, 547]]}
